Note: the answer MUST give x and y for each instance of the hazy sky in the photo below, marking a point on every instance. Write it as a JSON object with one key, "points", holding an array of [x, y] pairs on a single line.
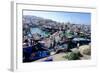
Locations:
{"points": [[72, 17]]}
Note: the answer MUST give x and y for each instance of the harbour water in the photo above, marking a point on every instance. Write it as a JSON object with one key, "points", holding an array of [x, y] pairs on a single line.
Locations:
{"points": [[37, 30]]}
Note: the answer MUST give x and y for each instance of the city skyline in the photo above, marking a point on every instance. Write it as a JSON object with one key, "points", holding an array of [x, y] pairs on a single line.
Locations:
{"points": [[63, 17]]}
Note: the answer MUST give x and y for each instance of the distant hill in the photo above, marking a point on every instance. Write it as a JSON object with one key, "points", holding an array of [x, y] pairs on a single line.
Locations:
{"points": [[33, 21]]}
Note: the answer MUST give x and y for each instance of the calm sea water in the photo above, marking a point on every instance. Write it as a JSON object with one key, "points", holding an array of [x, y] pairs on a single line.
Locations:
{"points": [[39, 31]]}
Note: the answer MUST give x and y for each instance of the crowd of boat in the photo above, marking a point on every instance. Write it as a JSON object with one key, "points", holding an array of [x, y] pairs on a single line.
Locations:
{"points": [[58, 38]]}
